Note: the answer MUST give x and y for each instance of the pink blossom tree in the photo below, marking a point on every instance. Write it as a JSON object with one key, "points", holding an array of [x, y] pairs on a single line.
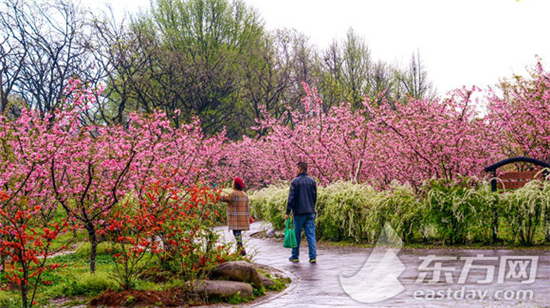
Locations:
{"points": [[521, 116], [27, 206], [99, 165], [426, 139], [377, 143]]}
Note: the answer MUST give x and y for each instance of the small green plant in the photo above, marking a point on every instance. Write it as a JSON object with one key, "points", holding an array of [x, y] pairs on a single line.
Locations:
{"points": [[279, 284], [258, 291], [130, 300], [236, 299]]}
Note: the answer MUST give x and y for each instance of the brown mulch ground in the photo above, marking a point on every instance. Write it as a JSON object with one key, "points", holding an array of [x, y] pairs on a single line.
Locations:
{"points": [[139, 298]]}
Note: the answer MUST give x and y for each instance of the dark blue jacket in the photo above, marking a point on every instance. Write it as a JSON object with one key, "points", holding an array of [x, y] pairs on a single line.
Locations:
{"points": [[302, 196]]}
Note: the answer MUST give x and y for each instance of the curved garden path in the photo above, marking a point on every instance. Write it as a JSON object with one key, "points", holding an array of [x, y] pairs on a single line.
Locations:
{"points": [[318, 285]]}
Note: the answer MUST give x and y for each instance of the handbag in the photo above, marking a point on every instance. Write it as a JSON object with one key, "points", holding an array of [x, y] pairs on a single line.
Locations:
{"points": [[290, 236]]}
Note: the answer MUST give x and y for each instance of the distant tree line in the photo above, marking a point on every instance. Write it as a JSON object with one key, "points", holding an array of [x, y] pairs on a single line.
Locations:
{"points": [[211, 59]]}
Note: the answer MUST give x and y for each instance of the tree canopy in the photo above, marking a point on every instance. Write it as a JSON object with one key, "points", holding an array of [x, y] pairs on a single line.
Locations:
{"points": [[208, 59]]}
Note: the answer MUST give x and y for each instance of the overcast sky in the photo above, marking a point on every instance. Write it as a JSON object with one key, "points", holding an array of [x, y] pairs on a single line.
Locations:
{"points": [[462, 42]]}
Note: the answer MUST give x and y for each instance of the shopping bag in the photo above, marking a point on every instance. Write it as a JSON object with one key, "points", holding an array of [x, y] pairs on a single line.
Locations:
{"points": [[290, 236]]}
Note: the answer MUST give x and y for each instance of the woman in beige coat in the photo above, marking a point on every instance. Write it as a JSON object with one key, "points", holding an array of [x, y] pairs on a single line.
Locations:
{"points": [[238, 214]]}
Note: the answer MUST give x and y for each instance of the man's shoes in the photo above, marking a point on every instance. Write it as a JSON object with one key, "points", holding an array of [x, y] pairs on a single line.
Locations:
{"points": [[312, 261], [291, 259]]}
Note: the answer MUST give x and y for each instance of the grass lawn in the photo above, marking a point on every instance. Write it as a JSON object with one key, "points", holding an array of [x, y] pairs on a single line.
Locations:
{"points": [[73, 281], [73, 285]]}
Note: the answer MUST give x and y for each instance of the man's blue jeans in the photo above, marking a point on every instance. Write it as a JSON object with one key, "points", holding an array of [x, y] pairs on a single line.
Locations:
{"points": [[306, 222]]}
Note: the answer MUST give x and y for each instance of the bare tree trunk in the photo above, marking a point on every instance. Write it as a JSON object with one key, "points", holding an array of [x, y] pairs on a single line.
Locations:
{"points": [[93, 241], [24, 286], [24, 296], [3, 98], [74, 226]]}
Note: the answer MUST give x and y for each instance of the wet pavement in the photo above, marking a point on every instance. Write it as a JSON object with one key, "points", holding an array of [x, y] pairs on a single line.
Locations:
{"points": [[357, 277]]}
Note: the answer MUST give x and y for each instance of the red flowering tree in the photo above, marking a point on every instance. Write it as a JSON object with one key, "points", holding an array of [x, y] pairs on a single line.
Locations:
{"points": [[171, 224], [184, 220], [131, 232], [26, 238]]}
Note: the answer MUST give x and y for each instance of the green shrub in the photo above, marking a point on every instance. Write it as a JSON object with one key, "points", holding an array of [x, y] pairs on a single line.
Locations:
{"points": [[526, 211], [482, 227], [258, 202], [348, 211], [459, 211], [453, 212], [403, 210], [270, 204]]}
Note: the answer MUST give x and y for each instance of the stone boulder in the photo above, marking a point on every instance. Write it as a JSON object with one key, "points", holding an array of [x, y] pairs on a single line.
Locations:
{"points": [[270, 233], [214, 289], [238, 271], [268, 283]]}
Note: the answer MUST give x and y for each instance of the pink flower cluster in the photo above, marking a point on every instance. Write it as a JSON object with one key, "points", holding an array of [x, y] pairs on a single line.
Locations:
{"points": [[47, 160], [410, 142], [56, 157]]}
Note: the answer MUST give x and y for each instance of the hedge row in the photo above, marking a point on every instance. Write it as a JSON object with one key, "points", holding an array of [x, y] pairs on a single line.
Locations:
{"points": [[452, 213]]}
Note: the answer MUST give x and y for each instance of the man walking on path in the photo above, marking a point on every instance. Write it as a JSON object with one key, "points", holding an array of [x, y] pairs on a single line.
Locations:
{"points": [[301, 201]]}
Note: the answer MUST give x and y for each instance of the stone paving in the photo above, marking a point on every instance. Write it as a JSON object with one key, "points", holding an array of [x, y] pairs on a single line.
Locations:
{"points": [[496, 278]]}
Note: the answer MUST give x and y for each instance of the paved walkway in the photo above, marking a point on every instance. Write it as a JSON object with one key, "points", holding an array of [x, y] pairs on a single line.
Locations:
{"points": [[319, 285]]}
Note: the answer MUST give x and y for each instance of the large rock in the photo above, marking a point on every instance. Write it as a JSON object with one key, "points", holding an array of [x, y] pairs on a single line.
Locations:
{"points": [[222, 289], [238, 271], [268, 283]]}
